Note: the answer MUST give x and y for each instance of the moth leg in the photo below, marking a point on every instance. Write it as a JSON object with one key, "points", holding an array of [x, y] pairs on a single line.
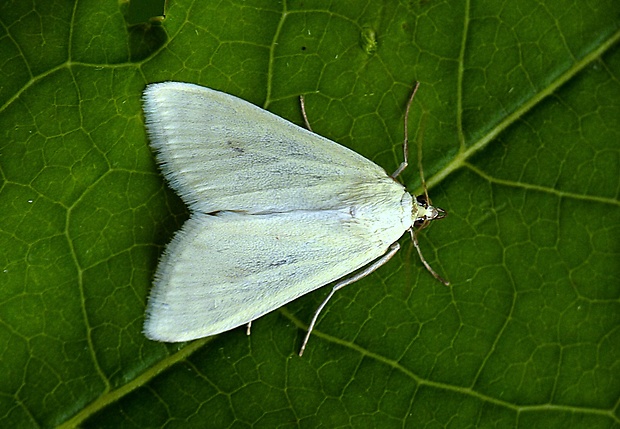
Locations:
{"points": [[369, 269], [302, 102], [414, 238], [249, 328]]}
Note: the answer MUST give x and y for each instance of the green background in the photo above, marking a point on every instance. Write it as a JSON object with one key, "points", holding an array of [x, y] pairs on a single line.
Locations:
{"points": [[519, 116]]}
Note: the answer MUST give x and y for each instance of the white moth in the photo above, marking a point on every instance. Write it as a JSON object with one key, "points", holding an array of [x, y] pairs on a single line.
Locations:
{"points": [[276, 212]]}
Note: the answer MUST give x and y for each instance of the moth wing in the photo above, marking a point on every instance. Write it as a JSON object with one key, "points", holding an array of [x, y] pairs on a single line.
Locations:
{"points": [[222, 153], [222, 271]]}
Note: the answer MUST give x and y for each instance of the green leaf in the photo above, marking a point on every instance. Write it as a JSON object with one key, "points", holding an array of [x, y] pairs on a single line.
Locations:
{"points": [[518, 115]]}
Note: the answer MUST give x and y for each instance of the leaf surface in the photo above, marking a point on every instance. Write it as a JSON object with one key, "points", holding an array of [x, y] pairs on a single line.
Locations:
{"points": [[518, 116]]}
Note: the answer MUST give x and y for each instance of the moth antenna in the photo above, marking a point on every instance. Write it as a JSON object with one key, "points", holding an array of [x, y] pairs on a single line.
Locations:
{"points": [[421, 168], [405, 162], [414, 234]]}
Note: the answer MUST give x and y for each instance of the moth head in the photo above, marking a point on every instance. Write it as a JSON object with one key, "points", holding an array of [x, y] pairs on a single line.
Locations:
{"points": [[426, 212]]}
